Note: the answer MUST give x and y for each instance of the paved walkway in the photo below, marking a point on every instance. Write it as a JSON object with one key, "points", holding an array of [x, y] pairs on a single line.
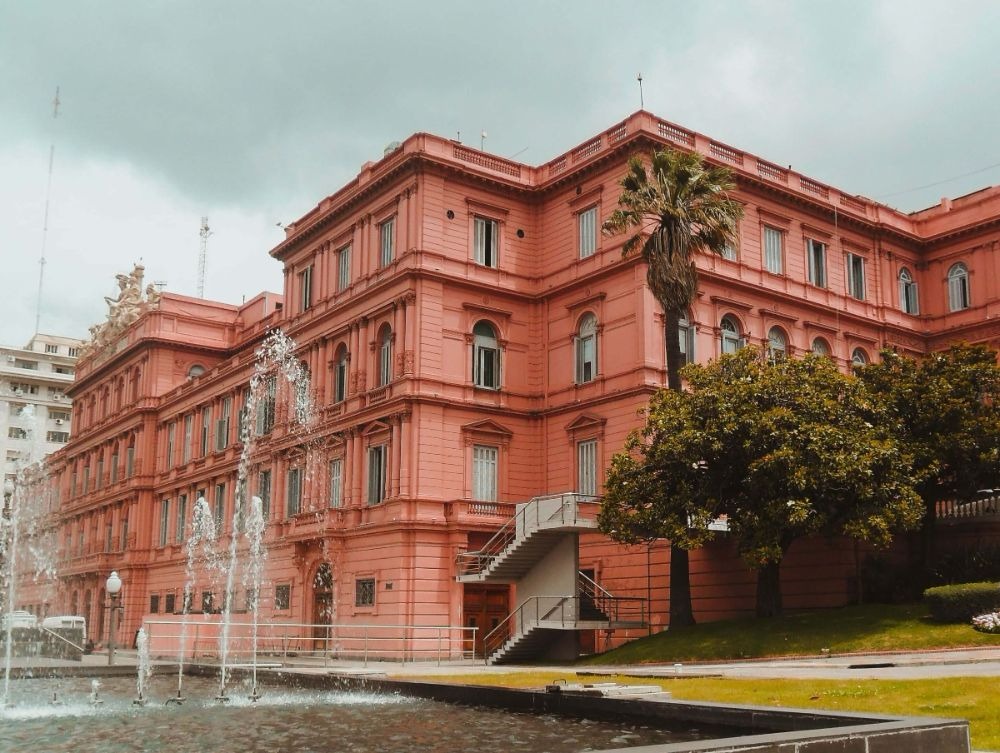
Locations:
{"points": [[980, 662]]}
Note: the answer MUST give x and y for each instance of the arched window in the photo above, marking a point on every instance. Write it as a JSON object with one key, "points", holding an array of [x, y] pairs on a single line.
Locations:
{"points": [[340, 374], [777, 344], [730, 335], [958, 287], [485, 356], [859, 357], [820, 347], [385, 356], [908, 293], [586, 349]]}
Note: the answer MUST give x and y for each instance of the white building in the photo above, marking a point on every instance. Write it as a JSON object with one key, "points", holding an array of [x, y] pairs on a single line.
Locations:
{"points": [[34, 410]]}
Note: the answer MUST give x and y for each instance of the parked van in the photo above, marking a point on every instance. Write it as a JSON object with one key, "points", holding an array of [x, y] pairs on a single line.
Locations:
{"points": [[65, 622], [19, 618]]}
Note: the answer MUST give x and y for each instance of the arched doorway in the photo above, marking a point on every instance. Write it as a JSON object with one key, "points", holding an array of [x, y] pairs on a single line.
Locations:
{"points": [[323, 607]]}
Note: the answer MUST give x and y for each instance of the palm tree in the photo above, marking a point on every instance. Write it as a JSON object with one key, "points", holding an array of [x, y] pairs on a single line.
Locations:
{"points": [[679, 208]]}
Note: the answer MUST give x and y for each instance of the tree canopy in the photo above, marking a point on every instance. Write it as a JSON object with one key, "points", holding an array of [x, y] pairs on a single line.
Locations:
{"points": [[780, 449]]}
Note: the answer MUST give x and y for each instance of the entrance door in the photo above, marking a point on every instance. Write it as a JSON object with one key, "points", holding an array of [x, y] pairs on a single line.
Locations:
{"points": [[322, 614], [484, 608]]}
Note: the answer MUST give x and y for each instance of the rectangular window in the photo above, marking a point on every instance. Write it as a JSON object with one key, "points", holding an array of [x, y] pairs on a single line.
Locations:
{"points": [[164, 521], [376, 474], [109, 536], [180, 525], [99, 480], [171, 432], [74, 352], [20, 363], [265, 405], [222, 425], [343, 269], [62, 437], [586, 358], [207, 602], [129, 462], [282, 597], [220, 507], [484, 473], [586, 462], [114, 468], [816, 258], [21, 388], [169, 603], [856, 276], [264, 492], [364, 592], [685, 336], [336, 479], [587, 232], [154, 603], [485, 241], [305, 289], [51, 348], [124, 534], [206, 429], [16, 432], [387, 242], [774, 252], [294, 491], [729, 251], [188, 436]]}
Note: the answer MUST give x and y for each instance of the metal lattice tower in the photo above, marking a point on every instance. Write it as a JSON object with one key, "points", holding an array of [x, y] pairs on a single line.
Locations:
{"points": [[202, 255]]}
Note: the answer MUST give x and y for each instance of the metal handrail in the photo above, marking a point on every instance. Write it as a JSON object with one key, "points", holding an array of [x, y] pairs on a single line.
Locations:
{"points": [[520, 620], [471, 563]]}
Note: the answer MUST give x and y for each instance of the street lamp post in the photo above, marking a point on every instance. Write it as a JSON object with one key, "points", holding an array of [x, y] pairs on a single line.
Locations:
{"points": [[113, 586]]}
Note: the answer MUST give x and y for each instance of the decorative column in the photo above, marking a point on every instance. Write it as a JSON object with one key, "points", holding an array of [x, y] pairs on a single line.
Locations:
{"points": [[406, 446], [394, 455], [409, 326], [347, 465]]}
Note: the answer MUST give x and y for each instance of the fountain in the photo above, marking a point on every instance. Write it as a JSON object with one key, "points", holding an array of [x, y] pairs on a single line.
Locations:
{"points": [[144, 669], [274, 357]]}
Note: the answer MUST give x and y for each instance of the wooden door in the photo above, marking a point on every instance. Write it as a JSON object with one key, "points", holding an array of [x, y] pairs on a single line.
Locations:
{"points": [[484, 608]]}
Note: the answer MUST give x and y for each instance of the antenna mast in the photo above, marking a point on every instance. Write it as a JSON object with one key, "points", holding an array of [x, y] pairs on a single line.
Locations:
{"points": [[45, 222], [204, 233]]}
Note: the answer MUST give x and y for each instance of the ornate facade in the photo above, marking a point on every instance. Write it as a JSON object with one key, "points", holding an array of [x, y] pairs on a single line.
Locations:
{"points": [[474, 341]]}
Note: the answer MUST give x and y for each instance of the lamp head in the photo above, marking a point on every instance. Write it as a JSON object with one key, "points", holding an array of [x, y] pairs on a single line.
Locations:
{"points": [[113, 584]]}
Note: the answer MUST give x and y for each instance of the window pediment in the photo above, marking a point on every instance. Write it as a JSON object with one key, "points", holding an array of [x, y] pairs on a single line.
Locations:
{"points": [[586, 424], [487, 430]]}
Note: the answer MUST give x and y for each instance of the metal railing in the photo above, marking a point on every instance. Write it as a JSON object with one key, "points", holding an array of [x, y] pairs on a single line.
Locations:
{"points": [[561, 613], [326, 642], [551, 508]]}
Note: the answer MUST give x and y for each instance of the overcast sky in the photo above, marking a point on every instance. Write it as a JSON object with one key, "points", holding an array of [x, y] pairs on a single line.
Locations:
{"points": [[249, 112]]}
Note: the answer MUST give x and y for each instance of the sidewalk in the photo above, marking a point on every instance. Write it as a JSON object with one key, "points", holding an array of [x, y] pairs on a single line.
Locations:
{"points": [[981, 662]]}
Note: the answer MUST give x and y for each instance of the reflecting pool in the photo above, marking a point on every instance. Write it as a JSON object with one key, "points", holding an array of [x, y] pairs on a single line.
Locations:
{"points": [[284, 720]]}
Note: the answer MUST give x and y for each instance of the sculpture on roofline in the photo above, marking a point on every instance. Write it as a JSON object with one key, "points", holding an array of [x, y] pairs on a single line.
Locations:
{"points": [[123, 310]]}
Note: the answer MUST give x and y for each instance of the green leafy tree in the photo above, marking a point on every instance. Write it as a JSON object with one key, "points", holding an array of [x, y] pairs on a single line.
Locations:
{"points": [[676, 209], [946, 408], [782, 450]]}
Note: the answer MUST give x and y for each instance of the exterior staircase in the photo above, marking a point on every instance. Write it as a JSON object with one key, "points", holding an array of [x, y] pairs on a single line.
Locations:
{"points": [[538, 551]]}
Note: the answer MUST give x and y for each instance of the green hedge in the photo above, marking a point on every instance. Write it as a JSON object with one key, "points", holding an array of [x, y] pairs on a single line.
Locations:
{"points": [[962, 602]]}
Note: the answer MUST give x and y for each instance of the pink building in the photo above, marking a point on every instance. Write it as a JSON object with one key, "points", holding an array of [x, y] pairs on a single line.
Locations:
{"points": [[474, 342]]}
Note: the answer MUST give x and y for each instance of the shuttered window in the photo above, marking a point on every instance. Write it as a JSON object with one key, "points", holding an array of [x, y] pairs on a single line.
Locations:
{"points": [[586, 461], [484, 473], [587, 222], [336, 474], [773, 250], [485, 241], [376, 474]]}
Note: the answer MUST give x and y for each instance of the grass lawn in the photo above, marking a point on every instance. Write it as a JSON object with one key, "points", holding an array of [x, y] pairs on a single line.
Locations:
{"points": [[858, 629], [972, 698]]}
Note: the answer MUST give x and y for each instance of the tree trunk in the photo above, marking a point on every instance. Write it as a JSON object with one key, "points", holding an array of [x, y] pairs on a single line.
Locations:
{"points": [[769, 590], [681, 614], [671, 325]]}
